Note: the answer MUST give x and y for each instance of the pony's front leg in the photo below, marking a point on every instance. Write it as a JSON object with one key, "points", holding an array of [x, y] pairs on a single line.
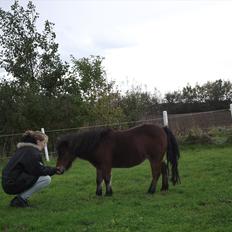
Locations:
{"points": [[99, 182], [107, 179]]}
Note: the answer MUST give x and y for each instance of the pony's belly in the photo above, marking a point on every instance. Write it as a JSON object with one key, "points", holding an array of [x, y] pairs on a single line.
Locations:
{"points": [[126, 163]]}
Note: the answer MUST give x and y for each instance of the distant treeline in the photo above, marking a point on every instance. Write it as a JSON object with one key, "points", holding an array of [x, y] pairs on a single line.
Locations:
{"points": [[41, 90], [213, 95]]}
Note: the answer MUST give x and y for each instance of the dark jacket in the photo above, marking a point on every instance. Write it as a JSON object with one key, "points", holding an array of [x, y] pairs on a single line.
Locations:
{"points": [[24, 169]]}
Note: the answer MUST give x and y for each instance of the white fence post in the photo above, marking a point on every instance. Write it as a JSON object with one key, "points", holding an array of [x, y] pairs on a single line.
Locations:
{"points": [[45, 148], [231, 109], [165, 118]]}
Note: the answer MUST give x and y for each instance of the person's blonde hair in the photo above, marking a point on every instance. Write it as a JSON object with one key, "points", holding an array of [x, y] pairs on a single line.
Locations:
{"points": [[37, 135]]}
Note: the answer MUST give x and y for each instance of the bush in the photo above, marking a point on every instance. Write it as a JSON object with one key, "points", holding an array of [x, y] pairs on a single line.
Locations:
{"points": [[216, 135], [197, 136]]}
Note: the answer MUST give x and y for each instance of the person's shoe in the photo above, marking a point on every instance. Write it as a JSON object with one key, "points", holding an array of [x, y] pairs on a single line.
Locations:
{"points": [[19, 202]]}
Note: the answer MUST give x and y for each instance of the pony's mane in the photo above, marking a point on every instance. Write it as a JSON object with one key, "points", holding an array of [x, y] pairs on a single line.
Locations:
{"points": [[83, 142]]}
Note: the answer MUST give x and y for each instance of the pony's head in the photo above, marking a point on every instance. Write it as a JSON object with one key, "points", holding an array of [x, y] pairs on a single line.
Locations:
{"points": [[81, 144], [65, 156]]}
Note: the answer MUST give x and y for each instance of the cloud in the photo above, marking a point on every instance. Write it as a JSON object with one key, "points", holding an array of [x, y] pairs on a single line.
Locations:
{"points": [[190, 47]]}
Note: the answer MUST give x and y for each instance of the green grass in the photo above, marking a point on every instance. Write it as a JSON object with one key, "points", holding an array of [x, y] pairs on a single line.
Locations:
{"points": [[203, 201]]}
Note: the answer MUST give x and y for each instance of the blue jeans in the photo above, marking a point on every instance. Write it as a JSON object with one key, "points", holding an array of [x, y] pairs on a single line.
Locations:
{"points": [[41, 183]]}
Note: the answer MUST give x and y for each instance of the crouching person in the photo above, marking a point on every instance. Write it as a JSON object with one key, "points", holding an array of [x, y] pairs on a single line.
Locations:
{"points": [[25, 173]]}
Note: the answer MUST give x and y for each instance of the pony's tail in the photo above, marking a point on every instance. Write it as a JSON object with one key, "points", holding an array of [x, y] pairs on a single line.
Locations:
{"points": [[173, 155]]}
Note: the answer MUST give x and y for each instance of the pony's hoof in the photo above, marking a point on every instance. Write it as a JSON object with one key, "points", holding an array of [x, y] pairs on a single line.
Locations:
{"points": [[109, 194], [99, 193], [150, 192], [164, 190]]}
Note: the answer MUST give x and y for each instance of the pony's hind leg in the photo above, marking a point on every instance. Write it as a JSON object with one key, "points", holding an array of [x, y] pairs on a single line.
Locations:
{"points": [[99, 181], [156, 170], [164, 171]]}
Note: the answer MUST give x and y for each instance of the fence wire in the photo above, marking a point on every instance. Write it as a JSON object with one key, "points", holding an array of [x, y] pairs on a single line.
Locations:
{"points": [[179, 123]]}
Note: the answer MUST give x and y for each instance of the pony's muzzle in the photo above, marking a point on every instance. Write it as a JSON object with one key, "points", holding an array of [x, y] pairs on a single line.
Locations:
{"points": [[61, 169]]}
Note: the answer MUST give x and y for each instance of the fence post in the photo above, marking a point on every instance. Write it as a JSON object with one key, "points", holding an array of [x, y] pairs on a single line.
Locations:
{"points": [[231, 110], [165, 118], [45, 148]]}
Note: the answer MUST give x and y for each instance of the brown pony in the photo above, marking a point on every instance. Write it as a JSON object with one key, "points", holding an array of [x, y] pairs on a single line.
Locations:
{"points": [[107, 148]]}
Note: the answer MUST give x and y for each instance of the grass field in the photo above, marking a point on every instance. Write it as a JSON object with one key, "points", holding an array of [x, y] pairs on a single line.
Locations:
{"points": [[203, 201]]}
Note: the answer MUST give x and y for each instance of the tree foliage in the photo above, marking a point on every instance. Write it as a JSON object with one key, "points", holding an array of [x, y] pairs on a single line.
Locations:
{"points": [[209, 96], [30, 57], [137, 104], [95, 91], [91, 77]]}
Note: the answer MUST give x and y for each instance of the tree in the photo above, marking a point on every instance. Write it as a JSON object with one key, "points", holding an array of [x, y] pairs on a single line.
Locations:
{"points": [[29, 99], [189, 94], [8, 105], [30, 57], [137, 104], [99, 102], [218, 91], [91, 77], [107, 110], [173, 97], [209, 96]]}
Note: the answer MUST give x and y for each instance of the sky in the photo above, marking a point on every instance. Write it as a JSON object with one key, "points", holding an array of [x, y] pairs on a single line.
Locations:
{"points": [[163, 45]]}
